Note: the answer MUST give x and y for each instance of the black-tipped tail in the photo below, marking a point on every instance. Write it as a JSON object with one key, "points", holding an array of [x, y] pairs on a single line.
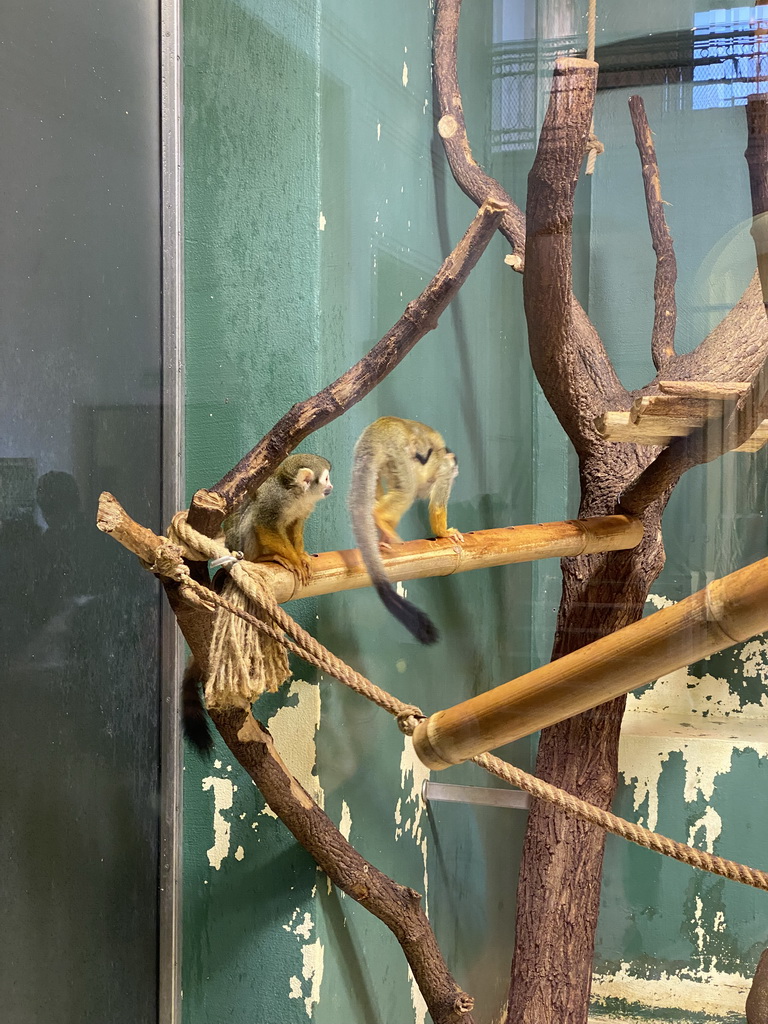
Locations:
{"points": [[414, 620], [195, 720]]}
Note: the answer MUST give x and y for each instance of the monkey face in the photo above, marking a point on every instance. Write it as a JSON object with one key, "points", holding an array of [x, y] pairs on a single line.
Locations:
{"points": [[324, 482], [314, 484]]}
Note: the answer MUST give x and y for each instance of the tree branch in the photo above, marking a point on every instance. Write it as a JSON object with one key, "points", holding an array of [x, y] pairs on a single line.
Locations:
{"points": [[727, 432], [251, 743], [598, 384], [469, 176], [397, 906], [208, 508], [665, 308]]}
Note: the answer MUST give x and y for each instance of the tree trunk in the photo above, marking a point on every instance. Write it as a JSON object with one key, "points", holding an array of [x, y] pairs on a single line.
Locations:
{"points": [[559, 885]]}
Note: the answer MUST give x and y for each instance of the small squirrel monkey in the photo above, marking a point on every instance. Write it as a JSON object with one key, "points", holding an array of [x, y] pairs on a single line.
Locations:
{"points": [[411, 461], [269, 528]]}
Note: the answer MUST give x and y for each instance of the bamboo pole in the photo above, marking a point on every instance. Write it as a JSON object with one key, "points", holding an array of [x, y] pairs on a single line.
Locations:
{"points": [[728, 611], [333, 571], [344, 570]]}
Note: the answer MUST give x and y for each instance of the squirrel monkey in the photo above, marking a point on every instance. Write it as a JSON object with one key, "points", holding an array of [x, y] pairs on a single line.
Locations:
{"points": [[269, 528], [411, 461]]}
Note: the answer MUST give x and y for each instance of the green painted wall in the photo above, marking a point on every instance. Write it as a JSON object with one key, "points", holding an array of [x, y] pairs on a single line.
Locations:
{"points": [[317, 204]]}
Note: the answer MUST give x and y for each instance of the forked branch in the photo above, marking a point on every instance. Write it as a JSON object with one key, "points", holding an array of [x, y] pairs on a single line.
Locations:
{"points": [[588, 367], [208, 508], [728, 432]]}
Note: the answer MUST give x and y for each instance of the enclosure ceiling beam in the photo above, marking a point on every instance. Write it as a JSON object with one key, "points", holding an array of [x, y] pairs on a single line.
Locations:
{"points": [[726, 612], [333, 571]]}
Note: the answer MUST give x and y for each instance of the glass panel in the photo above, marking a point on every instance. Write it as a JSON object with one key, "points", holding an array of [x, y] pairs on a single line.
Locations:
{"points": [[80, 400], [318, 204]]}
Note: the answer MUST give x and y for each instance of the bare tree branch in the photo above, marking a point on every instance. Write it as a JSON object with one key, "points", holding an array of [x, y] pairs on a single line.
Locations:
{"points": [[469, 176], [208, 508], [665, 309], [598, 385], [397, 906], [251, 743], [732, 429]]}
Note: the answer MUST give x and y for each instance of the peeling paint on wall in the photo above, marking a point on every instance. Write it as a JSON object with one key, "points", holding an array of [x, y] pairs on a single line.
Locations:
{"points": [[411, 806], [313, 962], [713, 992], [705, 720], [294, 728], [345, 823], [223, 794]]}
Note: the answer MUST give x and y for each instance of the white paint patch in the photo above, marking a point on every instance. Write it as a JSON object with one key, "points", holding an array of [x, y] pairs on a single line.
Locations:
{"points": [[313, 958], [702, 720], [713, 992], [239, 853], [223, 791], [401, 665], [413, 806], [313, 955], [405, 73], [321, 221], [706, 830], [378, 132], [401, 589], [345, 825], [293, 729]]}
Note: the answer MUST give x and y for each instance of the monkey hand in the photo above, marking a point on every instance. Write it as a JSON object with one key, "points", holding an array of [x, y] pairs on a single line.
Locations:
{"points": [[453, 534], [299, 565]]}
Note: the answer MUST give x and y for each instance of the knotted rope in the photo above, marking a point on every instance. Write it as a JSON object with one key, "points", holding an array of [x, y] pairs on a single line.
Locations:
{"points": [[273, 622]]}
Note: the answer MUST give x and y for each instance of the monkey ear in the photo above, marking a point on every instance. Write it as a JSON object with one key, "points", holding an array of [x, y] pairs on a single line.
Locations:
{"points": [[304, 478]]}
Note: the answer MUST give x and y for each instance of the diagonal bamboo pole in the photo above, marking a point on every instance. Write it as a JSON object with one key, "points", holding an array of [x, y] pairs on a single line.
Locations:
{"points": [[726, 612]]}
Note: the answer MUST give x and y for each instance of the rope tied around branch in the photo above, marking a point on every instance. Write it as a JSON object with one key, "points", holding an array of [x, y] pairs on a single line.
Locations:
{"points": [[275, 624]]}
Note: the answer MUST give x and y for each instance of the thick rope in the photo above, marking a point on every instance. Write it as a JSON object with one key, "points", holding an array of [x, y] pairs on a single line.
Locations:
{"points": [[307, 647], [594, 146], [619, 826]]}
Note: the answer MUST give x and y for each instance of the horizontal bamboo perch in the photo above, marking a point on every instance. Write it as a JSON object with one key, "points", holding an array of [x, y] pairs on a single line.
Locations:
{"points": [[343, 570], [728, 611], [333, 571]]}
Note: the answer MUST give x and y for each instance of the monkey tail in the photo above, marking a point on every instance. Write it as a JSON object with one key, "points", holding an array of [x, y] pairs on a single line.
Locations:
{"points": [[414, 619], [194, 716], [366, 470]]}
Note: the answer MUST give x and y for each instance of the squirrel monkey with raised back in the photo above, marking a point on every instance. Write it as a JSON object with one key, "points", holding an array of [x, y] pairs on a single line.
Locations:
{"points": [[411, 461], [269, 528]]}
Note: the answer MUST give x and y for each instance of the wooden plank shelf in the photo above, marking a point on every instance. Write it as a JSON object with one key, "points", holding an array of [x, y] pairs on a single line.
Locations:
{"points": [[682, 406]]}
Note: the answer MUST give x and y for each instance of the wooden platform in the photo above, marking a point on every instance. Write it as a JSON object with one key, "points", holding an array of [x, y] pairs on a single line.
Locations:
{"points": [[683, 406]]}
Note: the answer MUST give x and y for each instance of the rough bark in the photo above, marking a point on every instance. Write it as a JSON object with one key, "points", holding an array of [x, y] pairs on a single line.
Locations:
{"points": [[397, 906], [208, 508], [559, 883], [664, 305]]}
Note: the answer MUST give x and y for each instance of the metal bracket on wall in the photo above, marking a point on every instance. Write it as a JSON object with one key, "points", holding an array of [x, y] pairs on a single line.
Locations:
{"points": [[441, 792]]}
